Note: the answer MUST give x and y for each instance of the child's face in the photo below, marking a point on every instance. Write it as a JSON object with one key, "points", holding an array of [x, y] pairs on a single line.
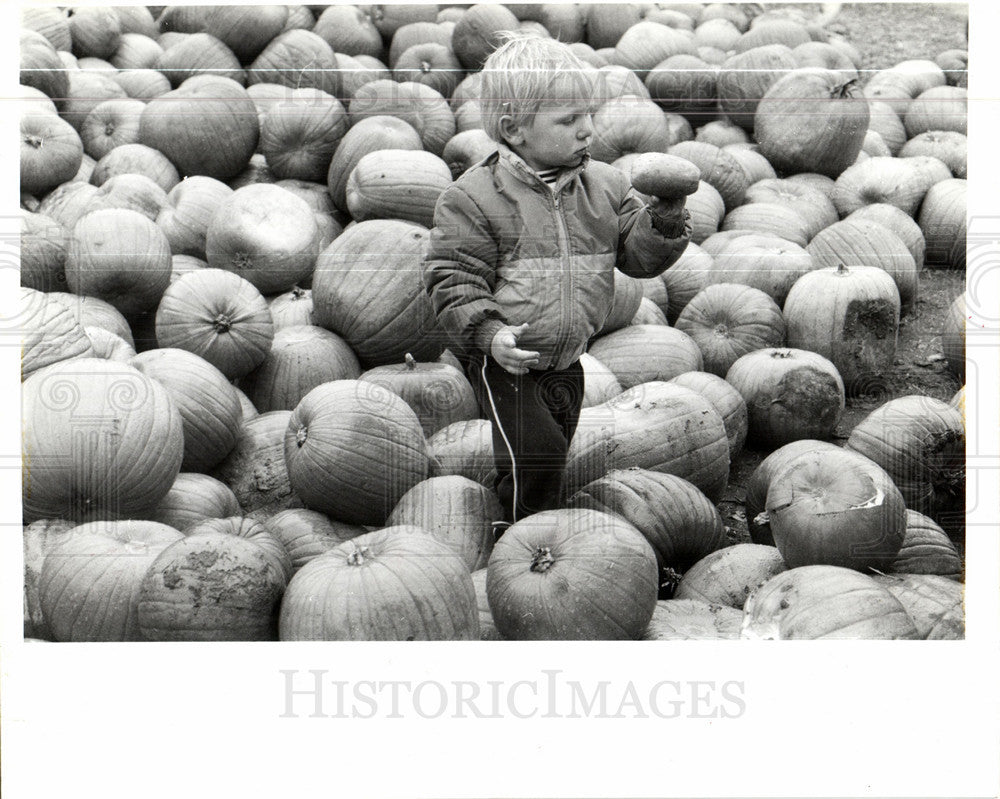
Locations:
{"points": [[558, 135]]}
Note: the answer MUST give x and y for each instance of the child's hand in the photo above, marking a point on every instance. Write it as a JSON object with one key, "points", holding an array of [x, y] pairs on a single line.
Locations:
{"points": [[504, 350], [667, 215]]}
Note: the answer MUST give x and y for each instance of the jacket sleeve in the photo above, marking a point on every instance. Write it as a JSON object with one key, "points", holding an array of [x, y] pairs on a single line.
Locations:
{"points": [[643, 251], [459, 271]]}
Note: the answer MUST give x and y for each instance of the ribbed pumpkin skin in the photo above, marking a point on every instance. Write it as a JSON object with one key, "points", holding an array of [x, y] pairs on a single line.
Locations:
{"points": [[861, 242], [646, 44], [726, 400], [89, 582], [40, 66], [368, 135], [51, 152], [210, 587], [246, 29], [298, 59], [773, 219], [87, 90], [210, 411], [191, 204], [142, 84], [886, 122], [953, 337], [849, 315], [255, 469], [683, 84], [819, 602], [95, 32], [50, 333], [119, 465], [729, 320], [629, 124], [899, 222], [935, 604], [306, 534], [943, 222], [192, 498], [832, 508], [657, 426], [815, 207], [718, 168], [879, 180], [677, 519], [207, 126], [368, 289], [199, 54], [394, 584], [291, 309], [760, 481], [927, 549], [812, 120], [938, 108], [218, 315], [476, 34], [487, 629], [43, 252], [39, 538], [692, 620], [137, 50], [920, 442], [949, 147], [397, 184], [300, 136], [761, 261], [628, 293], [92, 312], [728, 575], [455, 510], [688, 276], [109, 346], [647, 353], [250, 530], [574, 574], [133, 158], [707, 211], [745, 77], [301, 358], [790, 394], [464, 449], [756, 166], [421, 106], [353, 449]]}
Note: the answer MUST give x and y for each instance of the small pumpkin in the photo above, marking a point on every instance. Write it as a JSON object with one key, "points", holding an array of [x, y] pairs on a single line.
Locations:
{"points": [[927, 549], [190, 206], [645, 353], [306, 534], [135, 159], [464, 449], [51, 152], [299, 136], [192, 498], [421, 106], [396, 184]]}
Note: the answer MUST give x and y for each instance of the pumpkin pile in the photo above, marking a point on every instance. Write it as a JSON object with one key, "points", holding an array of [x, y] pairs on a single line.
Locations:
{"points": [[241, 421]]}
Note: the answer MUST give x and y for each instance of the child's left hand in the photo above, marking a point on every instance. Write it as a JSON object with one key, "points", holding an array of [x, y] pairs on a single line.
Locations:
{"points": [[668, 215]]}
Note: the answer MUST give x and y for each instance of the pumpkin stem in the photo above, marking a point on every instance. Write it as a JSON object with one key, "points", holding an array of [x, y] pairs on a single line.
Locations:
{"points": [[109, 129], [842, 270], [543, 560], [358, 556], [844, 89], [301, 435], [222, 323], [762, 518], [242, 260], [297, 293], [410, 362], [781, 354], [33, 141]]}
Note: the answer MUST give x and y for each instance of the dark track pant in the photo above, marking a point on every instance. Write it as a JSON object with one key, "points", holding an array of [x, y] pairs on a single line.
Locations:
{"points": [[533, 418]]}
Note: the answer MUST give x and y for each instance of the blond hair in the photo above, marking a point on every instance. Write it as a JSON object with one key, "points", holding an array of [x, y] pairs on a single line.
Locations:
{"points": [[525, 71]]}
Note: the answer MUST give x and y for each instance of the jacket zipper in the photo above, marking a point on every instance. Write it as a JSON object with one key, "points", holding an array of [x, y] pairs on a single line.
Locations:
{"points": [[562, 233]]}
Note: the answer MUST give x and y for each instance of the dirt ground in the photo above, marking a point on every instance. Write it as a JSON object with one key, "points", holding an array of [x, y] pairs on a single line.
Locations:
{"points": [[885, 35]]}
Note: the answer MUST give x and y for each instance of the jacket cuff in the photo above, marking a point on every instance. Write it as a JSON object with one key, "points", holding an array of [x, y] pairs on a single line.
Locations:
{"points": [[483, 337]]}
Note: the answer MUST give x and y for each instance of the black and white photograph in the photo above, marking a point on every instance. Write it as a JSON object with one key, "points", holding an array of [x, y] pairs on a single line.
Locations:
{"points": [[647, 349]]}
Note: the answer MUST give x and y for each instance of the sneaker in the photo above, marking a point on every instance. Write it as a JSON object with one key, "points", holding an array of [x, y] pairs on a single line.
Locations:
{"points": [[499, 528]]}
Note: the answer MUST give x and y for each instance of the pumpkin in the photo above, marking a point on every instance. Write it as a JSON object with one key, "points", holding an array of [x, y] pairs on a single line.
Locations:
{"points": [[209, 408], [948, 146], [935, 604], [942, 219], [726, 400], [815, 207], [766, 262], [692, 619], [830, 507], [34, 101], [255, 469], [850, 316], [129, 192], [884, 120], [94, 31], [41, 67], [626, 297], [352, 449], [39, 538], [51, 152], [135, 159], [754, 164], [953, 337], [899, 222], [419, 33], [300, 136], [677, 519], [419, 105], [431, 64], [817, 602], [108, 345], [790, 394], [368, 289], [880, 180], [199, 54], [190, 206], [487, 629], [770, 219], [251, 530], [610, 82], [234, 574], [937, 108], [292, 308], [657, 426], [476, 33], [874, 146], [120, 464], [266, 234], [745, 77], [119, 256], [683, 84], [649, 312], [110, 124], [823, 55], [464, 449], [142, 84], [404, 585], [647, 43], [927, 549], [717, 32], [718, 167], [565, 23], [863, 242], [219, 316], [727, 576], [645, 353], [707, 210], [920, 442], [43, 253], [686, 278], [299, 59], [207, 126], [92, 312], [301, 358], [349, 30], [457, 511], [606, 24], [192, 498], [181, 19], [246, 29], [136, 51], [52, 23], [465, 149], [306, 534], [396, 184], [89, 583], [772, 30]]}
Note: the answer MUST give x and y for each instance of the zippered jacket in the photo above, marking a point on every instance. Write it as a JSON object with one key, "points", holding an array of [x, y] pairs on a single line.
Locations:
{"points": [[506, 248]]}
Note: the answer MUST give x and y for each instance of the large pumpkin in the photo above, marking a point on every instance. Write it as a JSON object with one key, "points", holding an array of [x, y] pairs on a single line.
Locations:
{"points": [[368, 289], [942, 219], [299, 59], [252, 530], [90, 581], [726, 400], [464, 449], [684, 84], [421, 106], [658, 426], [199, 54], [927, 549], [246, 29], [51, 152], [100, 441], [193, 498], [353, 449], [50, 333], [685, 278], [745, 77], [629, 124], [645, 353], [41, 67], [134, 159], [815, 207], [953, 337], [396, 184], [299, 136], [191, 204], [899, 222], [394, 584], [762, 261], [306, 534]]}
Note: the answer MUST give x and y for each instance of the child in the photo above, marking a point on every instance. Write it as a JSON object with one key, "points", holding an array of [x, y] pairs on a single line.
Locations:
{"points": [[520, 269]]}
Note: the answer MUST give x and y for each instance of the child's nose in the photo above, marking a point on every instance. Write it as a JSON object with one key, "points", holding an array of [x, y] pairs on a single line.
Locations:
{"points": [[586, 127]]}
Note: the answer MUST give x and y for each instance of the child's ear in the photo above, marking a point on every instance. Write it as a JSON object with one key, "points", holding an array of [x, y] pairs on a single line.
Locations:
{"points": [[511, 132]]}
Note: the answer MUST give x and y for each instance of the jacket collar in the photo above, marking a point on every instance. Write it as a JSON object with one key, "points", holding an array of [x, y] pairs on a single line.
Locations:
{"points": [[520, 169]]}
